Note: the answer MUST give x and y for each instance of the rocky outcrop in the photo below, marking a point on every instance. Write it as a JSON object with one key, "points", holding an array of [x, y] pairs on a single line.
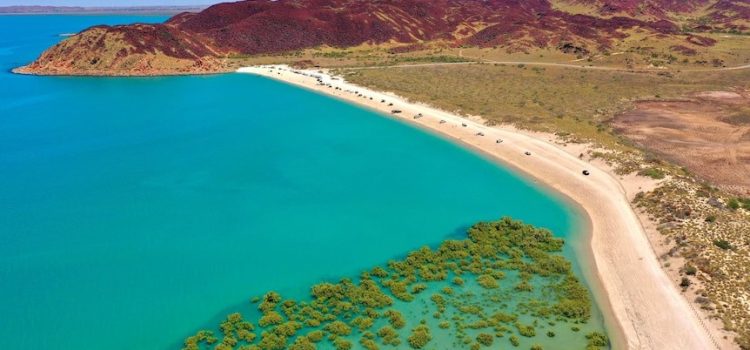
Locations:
{"points": [[199, 42], [127, 50]]}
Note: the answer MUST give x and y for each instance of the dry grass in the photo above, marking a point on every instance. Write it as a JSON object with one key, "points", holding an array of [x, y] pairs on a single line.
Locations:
{"points": [[360, 56], [640, 50], [570, 102]]}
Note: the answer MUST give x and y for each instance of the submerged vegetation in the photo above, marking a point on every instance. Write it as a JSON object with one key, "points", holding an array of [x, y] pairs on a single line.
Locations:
{"points": [[505, 258]]}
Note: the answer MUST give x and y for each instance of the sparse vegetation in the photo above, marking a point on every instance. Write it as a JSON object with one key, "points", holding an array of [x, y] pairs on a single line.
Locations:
{"points": [[492, 91], [654, 173], [704, 243]]}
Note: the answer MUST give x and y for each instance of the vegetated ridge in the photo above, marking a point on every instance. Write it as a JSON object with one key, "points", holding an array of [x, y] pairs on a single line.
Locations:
{"points": [[200, 42]]}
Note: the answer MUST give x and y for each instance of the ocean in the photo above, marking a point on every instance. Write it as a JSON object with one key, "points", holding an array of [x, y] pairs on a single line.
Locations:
{"points": [[135, 211]]}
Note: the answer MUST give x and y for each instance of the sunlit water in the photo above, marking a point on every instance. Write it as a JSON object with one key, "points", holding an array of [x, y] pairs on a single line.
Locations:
{"points": [[134, 211]]}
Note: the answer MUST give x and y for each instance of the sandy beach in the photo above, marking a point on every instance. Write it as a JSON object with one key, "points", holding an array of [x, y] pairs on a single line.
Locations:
{"points": [[647, 309]]}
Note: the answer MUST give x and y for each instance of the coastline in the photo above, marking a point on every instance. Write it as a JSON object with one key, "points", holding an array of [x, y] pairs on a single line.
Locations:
{"points": [[637, 296]]}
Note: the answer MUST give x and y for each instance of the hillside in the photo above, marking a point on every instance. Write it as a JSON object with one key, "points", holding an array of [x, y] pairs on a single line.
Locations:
{"points": [[202, 42], [97, 10], [706, 14]]}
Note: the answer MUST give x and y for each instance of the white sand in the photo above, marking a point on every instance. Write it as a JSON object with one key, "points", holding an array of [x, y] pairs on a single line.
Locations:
{"points": [[643, 302]]}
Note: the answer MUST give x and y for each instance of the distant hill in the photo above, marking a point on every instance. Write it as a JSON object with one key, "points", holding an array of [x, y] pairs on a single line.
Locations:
{"points": [[84, 10], [196, 42]]}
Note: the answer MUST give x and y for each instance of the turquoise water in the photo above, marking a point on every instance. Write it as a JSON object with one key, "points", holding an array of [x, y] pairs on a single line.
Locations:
{"points": [[134, 211]]}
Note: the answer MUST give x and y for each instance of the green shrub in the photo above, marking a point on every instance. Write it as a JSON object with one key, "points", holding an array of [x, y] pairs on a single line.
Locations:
{"points": [[418, 288], [596, 340], [379, 272], [302, 343], [368, 344], [503, 317], [270, 340], [524, 286], [526, 331], [419, 337], [395, 318], [315, 336], [339, 328], [654, 173], [733, 204], [514, 340], [389, 336], [362, 323], [270, 300], [485, 339], [271, 318], [287, 329], [342, 344], [487, 281], [723, 244]]}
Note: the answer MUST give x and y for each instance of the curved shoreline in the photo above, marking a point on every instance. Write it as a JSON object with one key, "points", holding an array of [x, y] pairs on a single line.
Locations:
{"points": [[641, 301], [582, 246]]}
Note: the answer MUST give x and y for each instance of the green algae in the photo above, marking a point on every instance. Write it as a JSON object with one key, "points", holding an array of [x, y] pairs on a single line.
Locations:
{"points": [[516, 268]]}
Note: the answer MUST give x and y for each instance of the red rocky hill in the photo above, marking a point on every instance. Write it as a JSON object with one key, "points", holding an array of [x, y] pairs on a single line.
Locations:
{"points": [[196, 42]]}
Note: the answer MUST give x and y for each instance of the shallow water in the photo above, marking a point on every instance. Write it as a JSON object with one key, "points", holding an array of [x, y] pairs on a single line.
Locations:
{"points": [[134, 211]]}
